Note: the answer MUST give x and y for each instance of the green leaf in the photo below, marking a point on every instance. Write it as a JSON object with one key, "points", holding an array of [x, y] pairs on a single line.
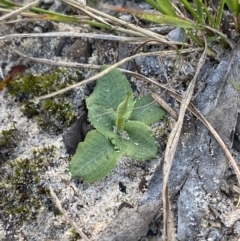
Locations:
{"points": [[234, 6], [124, 110], [94, 158], [110, 90], [220, 13], [137, 141], [188, 6], [103, 120], [147, 111]]}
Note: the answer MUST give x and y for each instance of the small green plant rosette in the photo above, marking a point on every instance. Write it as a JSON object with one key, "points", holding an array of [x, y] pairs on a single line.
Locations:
{"points": [[94, 158], [98, 154]]}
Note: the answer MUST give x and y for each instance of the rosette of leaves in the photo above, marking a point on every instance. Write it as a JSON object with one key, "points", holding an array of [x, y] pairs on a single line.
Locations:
{"points": [[121, 129]]}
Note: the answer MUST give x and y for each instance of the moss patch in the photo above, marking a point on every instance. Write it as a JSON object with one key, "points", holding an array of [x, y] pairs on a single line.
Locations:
{"points": [[7, 137], [8, 141], [21, 192], [52, 114]]}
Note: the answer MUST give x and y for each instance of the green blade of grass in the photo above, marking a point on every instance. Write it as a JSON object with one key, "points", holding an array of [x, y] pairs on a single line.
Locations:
{"points": [[199, 5], [220, 13], [167, 7], [164, 19], [199, 9], [8, 3], [163, 6], [233, 5], [200, 42], [188, 6], [204, 8]]}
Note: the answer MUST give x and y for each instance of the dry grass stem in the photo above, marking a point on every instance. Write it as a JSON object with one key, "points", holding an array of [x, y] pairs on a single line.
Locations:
{"points": [[229, 41], [172, 146], [195, 111], [64, 213], [165, 106]]}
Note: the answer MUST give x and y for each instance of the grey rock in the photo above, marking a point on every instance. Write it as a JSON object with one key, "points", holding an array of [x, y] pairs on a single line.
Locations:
{"points": [[80, 51], [177, 35]]}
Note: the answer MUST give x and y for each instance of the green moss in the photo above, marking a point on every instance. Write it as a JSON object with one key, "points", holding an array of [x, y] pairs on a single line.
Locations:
{"points": [[53, 114], [8, 141], [7, 137], [43, 84], [21, 192]]}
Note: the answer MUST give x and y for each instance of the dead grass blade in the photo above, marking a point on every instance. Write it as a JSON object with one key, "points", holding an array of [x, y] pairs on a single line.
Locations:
{"points": [[170, 232], [165, 106], [172, 144], [64, 213]]}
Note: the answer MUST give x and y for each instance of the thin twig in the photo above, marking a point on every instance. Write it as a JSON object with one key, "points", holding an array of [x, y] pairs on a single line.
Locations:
{"points": [[64, 213]]}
